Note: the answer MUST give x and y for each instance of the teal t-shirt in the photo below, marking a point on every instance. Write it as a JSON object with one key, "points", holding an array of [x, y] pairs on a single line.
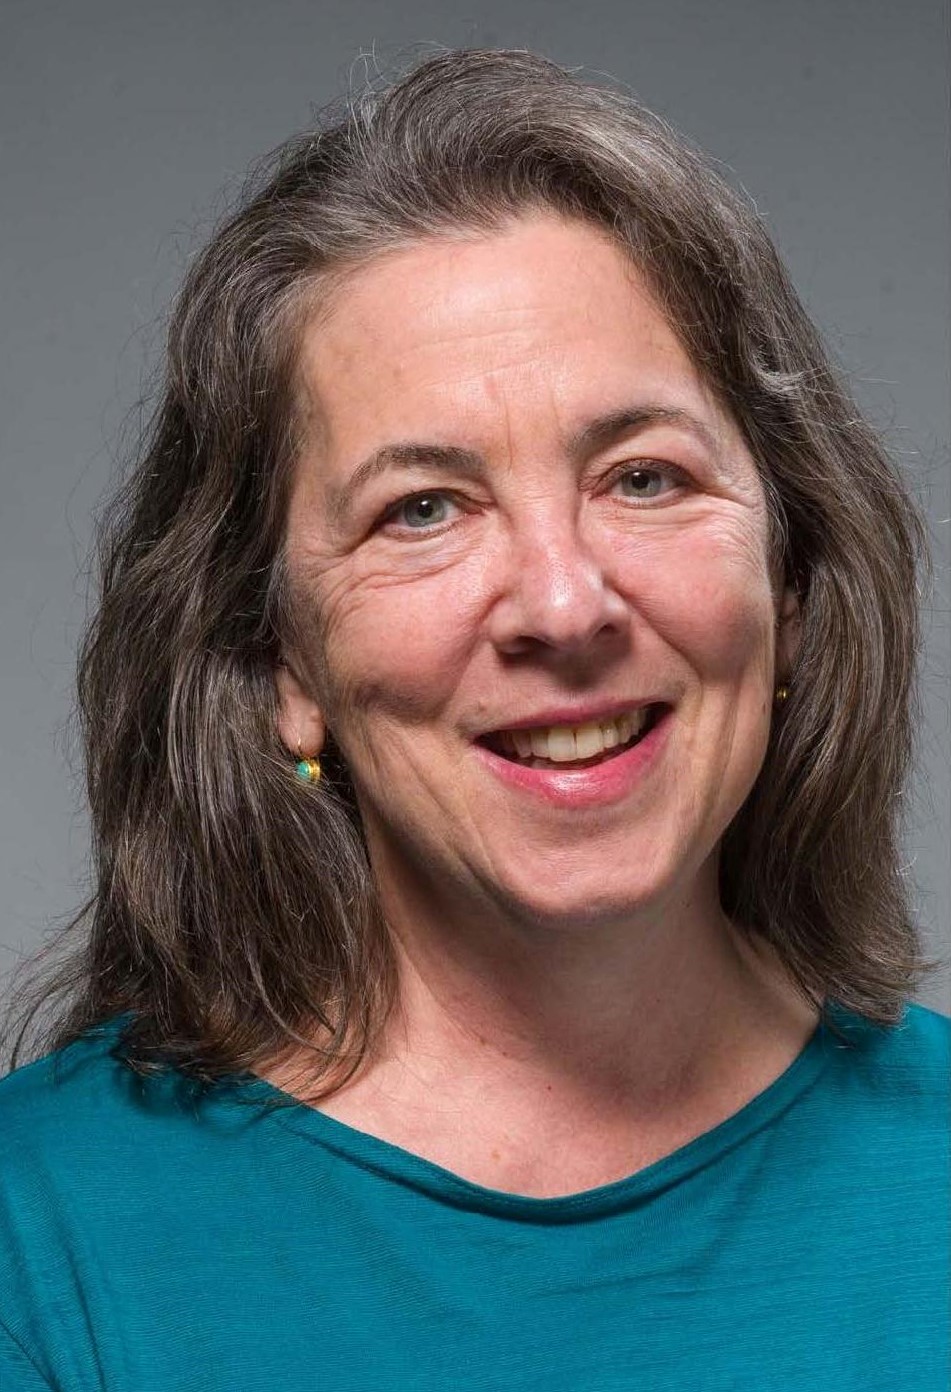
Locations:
{"points": [[151, 1242]]}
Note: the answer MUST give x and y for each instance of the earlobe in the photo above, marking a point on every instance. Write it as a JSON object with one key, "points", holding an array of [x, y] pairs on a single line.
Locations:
{"points": [[788, 633], [300, 720]]}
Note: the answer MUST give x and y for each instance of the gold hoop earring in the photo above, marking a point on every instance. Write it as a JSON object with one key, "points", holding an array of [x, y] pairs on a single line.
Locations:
{"points": [[781, 694]]}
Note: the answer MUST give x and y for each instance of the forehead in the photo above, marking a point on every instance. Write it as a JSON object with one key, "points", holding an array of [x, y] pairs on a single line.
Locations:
{"points": [[541, 325]]}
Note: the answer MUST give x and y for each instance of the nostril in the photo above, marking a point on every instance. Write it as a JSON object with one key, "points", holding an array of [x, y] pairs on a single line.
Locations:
{"points": [[556, 595], [560, 634]]}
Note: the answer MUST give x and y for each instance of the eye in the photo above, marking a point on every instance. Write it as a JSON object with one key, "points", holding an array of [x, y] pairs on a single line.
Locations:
{"points": [[648, 482], [421, 511]]}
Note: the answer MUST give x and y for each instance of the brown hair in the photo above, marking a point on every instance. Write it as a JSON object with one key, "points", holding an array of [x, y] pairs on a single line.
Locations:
{"points": [[234, 907]]}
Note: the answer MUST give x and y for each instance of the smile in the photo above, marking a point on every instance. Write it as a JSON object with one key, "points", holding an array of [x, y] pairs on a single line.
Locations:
{"points": [[573, 746]]}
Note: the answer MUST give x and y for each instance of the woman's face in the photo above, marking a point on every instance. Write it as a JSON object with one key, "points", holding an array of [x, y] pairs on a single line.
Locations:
{"points": [[520, 517]]}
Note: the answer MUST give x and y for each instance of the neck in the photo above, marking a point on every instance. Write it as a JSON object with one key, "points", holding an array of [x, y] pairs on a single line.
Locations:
{"points": [[628, 1011], [621, 1039]]}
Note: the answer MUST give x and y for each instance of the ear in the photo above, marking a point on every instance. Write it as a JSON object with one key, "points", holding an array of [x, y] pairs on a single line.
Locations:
{"points": [[300, 721], [788, 632]]}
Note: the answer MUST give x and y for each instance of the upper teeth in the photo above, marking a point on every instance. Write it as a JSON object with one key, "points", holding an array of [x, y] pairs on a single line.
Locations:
{"points": [[562, 743]]}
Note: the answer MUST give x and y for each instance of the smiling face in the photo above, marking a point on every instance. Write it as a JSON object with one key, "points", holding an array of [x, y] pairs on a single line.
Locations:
{"points": [[520, 517]]}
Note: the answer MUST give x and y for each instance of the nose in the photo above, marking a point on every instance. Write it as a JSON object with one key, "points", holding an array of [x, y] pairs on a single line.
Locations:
{"points": [[557, 594]]}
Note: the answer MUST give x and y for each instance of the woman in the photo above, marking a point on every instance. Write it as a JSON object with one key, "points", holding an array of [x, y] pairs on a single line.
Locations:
{"points": [[496, 713]]}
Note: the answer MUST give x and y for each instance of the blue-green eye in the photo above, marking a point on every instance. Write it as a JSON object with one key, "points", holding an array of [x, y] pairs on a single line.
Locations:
{"points": [[422, 510], [645, 483]]}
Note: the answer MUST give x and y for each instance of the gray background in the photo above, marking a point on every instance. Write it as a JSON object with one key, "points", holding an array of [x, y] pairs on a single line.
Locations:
{"points": [[126, 126]]}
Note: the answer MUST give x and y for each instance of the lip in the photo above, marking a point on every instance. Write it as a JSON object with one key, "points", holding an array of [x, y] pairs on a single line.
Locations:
{"points": [[599, 785], [573, 715]]}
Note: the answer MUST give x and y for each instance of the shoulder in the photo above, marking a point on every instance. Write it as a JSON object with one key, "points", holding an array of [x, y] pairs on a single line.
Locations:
{"points": [[65, 1093], [63, 1120], [80, 1123], [99, 1165], [897, 1077], [916, 1050], [925, 1035], [97, 1161]]}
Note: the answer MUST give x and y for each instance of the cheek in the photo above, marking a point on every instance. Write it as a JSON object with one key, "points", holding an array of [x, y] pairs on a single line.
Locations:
{"points": [[707, 593], [394, 646]]}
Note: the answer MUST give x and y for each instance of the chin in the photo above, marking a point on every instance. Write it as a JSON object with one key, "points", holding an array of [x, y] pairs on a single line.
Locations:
{"points": [[577, 904]]}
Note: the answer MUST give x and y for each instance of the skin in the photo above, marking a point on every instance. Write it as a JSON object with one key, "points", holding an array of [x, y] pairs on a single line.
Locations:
{"points": [[567, 976]]}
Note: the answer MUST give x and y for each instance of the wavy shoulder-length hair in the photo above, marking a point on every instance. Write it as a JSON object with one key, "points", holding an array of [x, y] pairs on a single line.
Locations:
{"points": [[234, 912]]}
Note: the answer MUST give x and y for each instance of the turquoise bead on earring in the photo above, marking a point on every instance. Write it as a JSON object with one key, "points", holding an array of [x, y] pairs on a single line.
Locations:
{"points": [[308, 770]]}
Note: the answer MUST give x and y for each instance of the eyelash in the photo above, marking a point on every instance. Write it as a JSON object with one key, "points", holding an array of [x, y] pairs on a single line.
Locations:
{"points": [[669, 472]]}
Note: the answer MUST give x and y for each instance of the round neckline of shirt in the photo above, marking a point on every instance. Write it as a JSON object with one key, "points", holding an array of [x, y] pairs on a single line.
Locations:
{"points": [[405, 1167]]}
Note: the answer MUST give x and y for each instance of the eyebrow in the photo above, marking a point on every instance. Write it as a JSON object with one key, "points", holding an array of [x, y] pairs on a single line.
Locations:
{"points": [[605, 430], [596, 434], [406, 455]]}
